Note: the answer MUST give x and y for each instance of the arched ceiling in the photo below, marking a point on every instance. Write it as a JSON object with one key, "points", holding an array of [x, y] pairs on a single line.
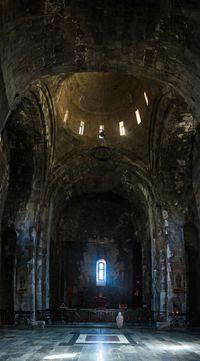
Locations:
{"points": [[96, 65], [85, 163], [100, 170]]}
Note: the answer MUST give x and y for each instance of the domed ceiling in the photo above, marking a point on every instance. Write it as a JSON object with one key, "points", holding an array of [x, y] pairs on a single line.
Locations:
{"points": [[103, 106]]}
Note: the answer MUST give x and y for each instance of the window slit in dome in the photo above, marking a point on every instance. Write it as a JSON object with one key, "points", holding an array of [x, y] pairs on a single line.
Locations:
{"points": [[138, 117], [66, 116], [146, 98], [81, 128], [101, 132], [121, 128]]}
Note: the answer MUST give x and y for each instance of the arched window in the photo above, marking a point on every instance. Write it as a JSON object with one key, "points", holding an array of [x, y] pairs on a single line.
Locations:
{"points": [[101, 272]]}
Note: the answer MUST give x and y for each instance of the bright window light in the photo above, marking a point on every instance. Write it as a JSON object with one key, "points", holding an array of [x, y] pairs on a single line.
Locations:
{"points": [[66, 116], [101, 272], [101, 131], [137, 113], [60, 356], [146, 98], [121, 128], [81, 128]]}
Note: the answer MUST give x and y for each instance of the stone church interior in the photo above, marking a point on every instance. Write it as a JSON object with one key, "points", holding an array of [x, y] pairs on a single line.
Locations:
{"points": [[99, 179]]}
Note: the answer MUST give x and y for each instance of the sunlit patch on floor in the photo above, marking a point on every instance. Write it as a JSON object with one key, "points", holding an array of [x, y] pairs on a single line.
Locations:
{"points": [[66, 355], [119, 339], [173, 348]]}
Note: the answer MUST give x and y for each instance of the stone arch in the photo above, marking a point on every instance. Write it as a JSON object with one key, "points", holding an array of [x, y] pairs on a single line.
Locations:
{"points": [[30, 138], [68, 176]]}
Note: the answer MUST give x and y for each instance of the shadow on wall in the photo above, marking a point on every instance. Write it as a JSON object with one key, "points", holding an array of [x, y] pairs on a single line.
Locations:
{"points": [[9, 240], [192, 248]]}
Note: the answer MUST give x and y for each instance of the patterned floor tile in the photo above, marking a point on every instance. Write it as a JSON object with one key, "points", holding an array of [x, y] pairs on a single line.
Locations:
{"points": [[54, 343]]}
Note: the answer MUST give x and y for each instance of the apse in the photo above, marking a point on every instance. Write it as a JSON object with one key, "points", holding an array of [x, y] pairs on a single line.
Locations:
{"points": [[96, 229]]}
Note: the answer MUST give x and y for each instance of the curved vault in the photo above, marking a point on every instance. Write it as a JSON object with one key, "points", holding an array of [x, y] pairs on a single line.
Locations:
{"points": [[89, 102]]}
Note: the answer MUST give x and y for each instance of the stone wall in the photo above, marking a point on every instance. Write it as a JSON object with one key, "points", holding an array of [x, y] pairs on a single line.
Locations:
{"points": [[4, 108], [4, 179]]}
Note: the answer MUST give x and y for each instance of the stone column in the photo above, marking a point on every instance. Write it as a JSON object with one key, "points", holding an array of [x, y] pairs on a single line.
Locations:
{"points": [[176, 271], [158, 263], [43, 260], [163, 284], [46, 250], [24, 302]]}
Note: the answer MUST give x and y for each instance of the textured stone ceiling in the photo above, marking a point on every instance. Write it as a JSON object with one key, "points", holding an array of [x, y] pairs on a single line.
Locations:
{"points": [[103, 93]]}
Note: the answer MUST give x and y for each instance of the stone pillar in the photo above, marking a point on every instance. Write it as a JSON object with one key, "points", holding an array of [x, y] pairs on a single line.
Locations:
{"points": [[24, 298], [155, 306], [176, 272], [43, 262], [163, 284], [39, 281], [158, 263], [47, 262]]}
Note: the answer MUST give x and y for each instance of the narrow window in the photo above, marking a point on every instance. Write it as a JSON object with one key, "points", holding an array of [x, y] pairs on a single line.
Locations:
{"points": [[101, 132], [137, 113], [121, 128], [66, 116], [146, 98], [81, 128], [101, 272]]}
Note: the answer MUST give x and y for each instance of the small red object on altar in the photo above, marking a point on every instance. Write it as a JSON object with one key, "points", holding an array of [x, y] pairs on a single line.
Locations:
{"points": [[100, 302], [123, 306]]}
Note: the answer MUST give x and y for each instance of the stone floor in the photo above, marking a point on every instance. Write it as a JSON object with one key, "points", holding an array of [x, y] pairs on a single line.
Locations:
{"points": [[59, 343]]}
